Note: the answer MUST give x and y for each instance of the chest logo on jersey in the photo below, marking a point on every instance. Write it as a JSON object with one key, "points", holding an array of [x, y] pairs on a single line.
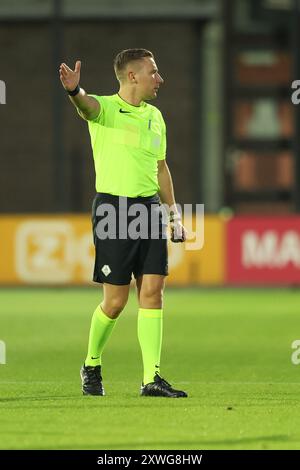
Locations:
{"points": [[124, 112]]}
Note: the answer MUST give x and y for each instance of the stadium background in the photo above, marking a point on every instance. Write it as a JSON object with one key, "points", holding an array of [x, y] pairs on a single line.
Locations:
{"points": [[233, 145]]}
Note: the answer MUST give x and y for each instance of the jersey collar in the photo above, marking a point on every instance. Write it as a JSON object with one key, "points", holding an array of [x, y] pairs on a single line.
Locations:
{"points": [[124, 104]]}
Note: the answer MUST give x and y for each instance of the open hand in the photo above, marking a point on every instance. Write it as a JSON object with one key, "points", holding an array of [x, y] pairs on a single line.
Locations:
{"points": [[68, 77]]}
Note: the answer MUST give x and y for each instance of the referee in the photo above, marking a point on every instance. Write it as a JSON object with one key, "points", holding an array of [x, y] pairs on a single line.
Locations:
{"points": [[128, 138]]}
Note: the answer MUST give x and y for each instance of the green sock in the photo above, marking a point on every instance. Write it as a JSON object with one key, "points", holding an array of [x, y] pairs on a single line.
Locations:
{"points": [[150, 326], [100, 331]]}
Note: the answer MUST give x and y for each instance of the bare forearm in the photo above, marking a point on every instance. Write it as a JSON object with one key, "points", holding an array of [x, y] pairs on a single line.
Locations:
{"points": [[88, 106], [166, 192]]}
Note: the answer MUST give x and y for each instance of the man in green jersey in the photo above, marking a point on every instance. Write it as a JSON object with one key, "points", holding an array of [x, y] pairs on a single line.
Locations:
{"points": [[128, 137]]}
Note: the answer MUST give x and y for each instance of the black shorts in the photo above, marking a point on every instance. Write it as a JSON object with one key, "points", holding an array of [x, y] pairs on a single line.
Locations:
{"points": [[129, 238]]}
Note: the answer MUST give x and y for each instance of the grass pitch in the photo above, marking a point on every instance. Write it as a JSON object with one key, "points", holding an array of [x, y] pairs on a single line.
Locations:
{"points": [[229, 349]]}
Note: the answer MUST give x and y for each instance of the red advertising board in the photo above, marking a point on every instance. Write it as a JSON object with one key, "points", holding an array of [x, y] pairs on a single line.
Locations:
{"points": [[263, 250]]}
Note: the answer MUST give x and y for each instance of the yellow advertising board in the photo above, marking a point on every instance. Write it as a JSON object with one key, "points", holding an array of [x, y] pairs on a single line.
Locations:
{"points": [[205, 266], [58, 249]]}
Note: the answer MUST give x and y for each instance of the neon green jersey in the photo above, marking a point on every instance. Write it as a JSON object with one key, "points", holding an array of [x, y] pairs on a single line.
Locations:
{"points": [[127, 141]]}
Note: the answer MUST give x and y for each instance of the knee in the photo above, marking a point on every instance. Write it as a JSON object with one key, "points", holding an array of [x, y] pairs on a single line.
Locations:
{"points": [[114, 306], [152, 296]]}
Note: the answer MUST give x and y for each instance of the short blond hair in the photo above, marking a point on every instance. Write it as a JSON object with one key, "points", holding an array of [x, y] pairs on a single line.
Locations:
{"points": [[128, 55]]}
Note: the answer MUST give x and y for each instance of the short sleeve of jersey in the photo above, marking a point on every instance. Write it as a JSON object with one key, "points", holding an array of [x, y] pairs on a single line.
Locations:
{"points": [[163, 144], [103, 105]]}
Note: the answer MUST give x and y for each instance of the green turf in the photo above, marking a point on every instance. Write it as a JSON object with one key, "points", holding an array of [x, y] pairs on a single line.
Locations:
{"points": [[230, 349]]}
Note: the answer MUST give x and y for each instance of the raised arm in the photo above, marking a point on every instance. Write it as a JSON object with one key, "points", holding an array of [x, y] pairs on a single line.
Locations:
{"points": [[89, 107]]}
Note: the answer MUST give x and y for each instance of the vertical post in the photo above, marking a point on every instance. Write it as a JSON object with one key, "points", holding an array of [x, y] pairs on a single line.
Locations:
{"points": [[59, 156], [198, 193], [212, 117], [2, 92], [228, 76], [296, 138]]}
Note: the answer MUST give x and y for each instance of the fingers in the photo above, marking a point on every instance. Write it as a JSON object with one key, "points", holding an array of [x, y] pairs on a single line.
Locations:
{"points": [[65, 70], [63, 79], [62, 74], [68, 77], [66, 67], [77, 66]]}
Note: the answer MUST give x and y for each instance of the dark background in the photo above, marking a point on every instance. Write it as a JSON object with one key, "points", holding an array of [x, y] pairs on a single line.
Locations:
{"points": [[228, 65]]}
